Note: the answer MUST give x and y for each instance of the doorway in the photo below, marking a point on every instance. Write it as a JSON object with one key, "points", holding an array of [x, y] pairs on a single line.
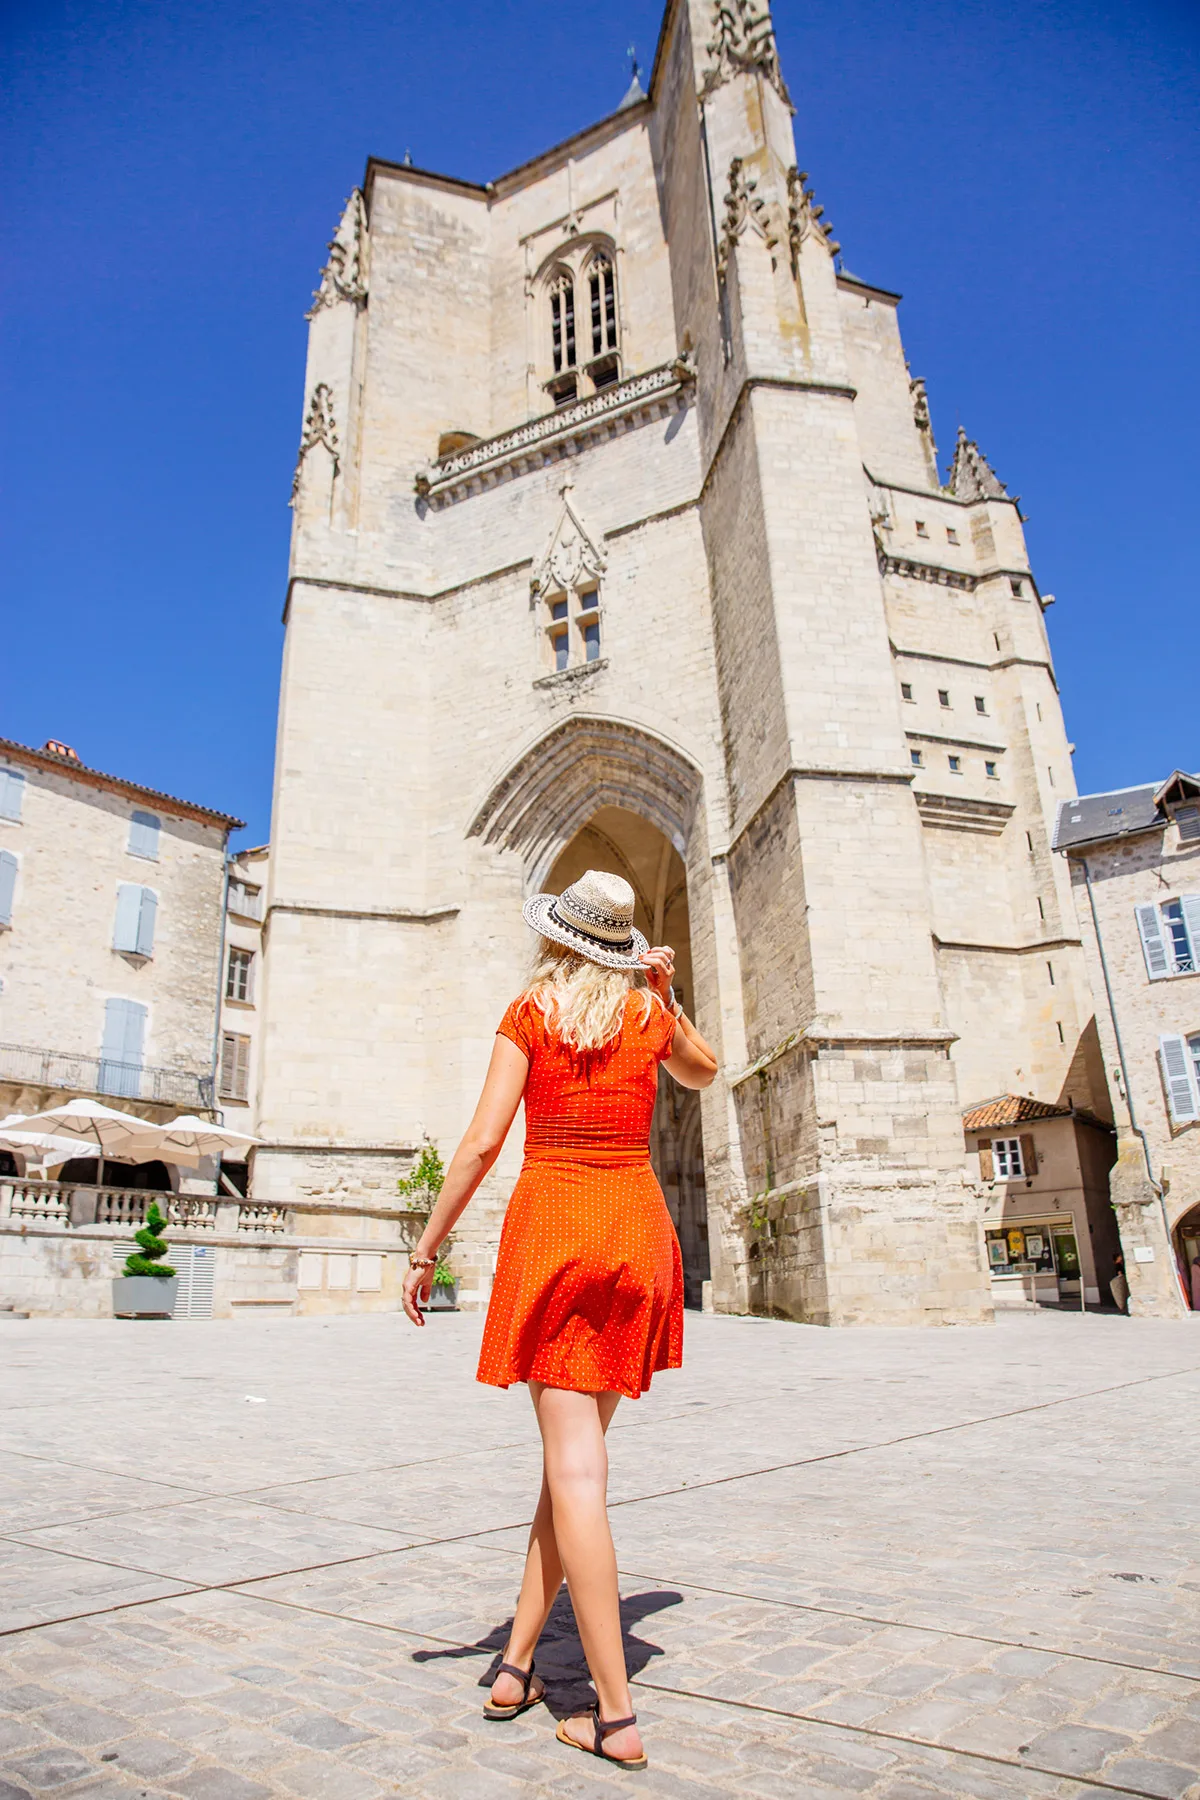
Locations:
{"points": [[1187, 1245], [628, 845]]}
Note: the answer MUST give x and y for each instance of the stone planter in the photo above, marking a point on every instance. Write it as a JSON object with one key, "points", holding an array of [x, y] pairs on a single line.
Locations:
{"points": [[442, 1298], [144, 1296]]}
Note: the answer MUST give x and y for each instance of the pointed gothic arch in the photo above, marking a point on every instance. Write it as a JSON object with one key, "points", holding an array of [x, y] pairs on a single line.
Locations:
{"points": [[561, 780]]}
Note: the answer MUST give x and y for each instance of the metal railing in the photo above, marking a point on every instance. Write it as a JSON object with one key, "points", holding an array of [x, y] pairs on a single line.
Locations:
{"points": [[100, 1075]]}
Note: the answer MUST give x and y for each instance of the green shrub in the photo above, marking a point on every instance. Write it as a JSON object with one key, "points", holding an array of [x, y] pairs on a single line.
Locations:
{"points": [[421, 1190], [443, 1276], [149, 1261]]}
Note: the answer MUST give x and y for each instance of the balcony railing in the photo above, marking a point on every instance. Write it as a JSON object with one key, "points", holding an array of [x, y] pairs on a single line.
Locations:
{"points": [[100, 1075], [63, 1203]]}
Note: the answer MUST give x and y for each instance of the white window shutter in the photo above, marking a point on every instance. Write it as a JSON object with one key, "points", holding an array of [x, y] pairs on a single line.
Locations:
{"points": [[1191, 918], [147, 914], [1181, 1082], [121, 1050], [1158, 963], [143, 835], [129, 913], [12, 793], [8, 882]]}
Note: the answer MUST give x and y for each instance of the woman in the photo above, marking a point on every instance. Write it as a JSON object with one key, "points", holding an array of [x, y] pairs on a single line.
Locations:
{"points": [[588, 1298]]}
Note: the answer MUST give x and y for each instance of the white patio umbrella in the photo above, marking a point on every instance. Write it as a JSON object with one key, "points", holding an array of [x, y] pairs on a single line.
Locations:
{"points": [[89, 1126], [36, 1146], [200, 1137]]}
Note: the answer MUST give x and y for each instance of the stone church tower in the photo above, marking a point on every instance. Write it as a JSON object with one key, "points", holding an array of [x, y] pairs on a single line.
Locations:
{"points": [[620, 540]]}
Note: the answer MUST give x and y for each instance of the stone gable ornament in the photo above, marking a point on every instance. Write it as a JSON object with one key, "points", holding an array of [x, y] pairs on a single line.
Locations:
{"points": [[744, 208], [804, 218], [344, 276], [572, 557], [743, 43], [971, 475], [319, 428]]}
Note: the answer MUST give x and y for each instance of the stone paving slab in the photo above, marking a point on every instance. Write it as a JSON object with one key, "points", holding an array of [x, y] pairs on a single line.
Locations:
{"points": [[928, 1599]]}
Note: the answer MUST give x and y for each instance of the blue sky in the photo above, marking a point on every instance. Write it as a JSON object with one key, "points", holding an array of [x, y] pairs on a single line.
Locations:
{"points": [[1025, 176]]}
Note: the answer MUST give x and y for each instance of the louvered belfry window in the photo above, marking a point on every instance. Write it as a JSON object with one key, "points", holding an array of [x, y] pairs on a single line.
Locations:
{"points": [[562, 322], [604, 306]]}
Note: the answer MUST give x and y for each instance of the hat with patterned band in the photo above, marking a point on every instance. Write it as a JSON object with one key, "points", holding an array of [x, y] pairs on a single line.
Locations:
{"points": [[593, 916]]}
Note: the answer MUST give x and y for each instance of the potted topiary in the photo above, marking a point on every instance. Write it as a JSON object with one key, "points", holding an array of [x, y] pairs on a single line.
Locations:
{"points": [[148, 1286], [421, 1190]]}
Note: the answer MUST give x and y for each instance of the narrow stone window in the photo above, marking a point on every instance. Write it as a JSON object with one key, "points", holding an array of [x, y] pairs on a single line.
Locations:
{"points": [[989, 769], [1041, 909], [943, 696], [951, 535], [1061, 1038], [996, 640], [603, 290], [1050, 973], [922, 528], [906, 690], [917, 760], [1017, 587], [980, 704], [588, 625], [562, 323], [955, 765], [558, 632]]}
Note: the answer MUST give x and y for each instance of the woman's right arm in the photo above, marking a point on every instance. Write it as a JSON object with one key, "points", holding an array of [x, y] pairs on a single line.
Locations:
{"points": [[481, 1145], [692, 1061]]}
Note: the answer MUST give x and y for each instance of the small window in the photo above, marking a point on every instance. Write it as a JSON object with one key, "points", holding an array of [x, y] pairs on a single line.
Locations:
{"points": [[1009, 1163], [245, 899], [951, 535], [562, 323], [8, 884], [980, 704], [922, 528], [12, 793], [989, 769], [943, 696], [1018, 587], [906, 690], [916, 758], [143, 836], [603, 293], [235, 1066], [239, 978], [137, 910], [1181, 940], [1188, 820], [955, 764]]}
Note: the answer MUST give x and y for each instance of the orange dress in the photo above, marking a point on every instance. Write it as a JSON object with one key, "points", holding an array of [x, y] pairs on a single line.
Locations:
{"points": [[589, 1282]]}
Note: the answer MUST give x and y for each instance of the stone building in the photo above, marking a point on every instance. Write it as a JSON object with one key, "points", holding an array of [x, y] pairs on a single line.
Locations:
{"points": [[110, 959], [1134, 861], [620, 538], [238, 1049]]}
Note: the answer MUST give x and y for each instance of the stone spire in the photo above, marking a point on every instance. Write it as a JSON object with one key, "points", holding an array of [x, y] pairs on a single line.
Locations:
{"points": [[635, 91], [971, 474], [344, 276]]}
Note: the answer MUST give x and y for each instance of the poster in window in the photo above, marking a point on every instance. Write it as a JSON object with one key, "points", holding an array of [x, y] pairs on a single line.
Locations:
{"points": [[1035, 1246], [997, 1252], [1016, 1244]]}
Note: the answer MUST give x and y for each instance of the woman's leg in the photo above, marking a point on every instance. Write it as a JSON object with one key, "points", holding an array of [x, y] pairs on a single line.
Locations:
{"points": [[540, 1584], [576, 1463]]}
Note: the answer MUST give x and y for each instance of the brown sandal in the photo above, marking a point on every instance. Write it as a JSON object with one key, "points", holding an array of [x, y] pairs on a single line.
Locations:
{"points": [[596, 1747], [491, 1711]]}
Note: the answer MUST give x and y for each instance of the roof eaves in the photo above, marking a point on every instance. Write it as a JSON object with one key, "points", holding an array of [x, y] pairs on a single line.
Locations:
{"points": [[66, 765]]}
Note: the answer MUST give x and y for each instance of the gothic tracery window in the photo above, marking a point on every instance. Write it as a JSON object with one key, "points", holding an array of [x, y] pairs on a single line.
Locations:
{"points": [[584, 349], [562, 336], [572, 627]]}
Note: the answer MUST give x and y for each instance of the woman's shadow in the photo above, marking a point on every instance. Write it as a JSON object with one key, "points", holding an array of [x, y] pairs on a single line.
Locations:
{"points": [[560, 1659]]}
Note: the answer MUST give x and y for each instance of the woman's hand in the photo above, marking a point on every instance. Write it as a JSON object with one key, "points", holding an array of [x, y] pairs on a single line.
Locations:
{"points": [[418, 1284], [660, 971]]}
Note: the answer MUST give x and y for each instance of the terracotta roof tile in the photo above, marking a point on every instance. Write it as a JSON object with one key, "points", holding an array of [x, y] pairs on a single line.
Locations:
{"points": [[1010, 1109]]}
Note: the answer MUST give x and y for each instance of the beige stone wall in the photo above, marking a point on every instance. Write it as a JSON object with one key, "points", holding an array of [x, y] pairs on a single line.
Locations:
{"points": [[1153, 867]]}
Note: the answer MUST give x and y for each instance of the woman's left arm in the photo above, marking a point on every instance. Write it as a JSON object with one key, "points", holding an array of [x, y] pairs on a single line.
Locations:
{"points": [[481, 1145]]}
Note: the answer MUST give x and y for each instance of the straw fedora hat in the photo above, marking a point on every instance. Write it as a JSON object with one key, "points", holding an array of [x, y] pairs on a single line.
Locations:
{"points": [[593, 916]]}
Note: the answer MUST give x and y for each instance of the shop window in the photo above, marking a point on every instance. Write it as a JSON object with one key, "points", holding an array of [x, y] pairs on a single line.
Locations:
{"points": [[1170, 935], [239, 976]]}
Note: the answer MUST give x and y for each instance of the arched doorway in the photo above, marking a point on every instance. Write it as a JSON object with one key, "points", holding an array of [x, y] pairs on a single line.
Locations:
{"points": [[630, 845], [1187, 1248]]}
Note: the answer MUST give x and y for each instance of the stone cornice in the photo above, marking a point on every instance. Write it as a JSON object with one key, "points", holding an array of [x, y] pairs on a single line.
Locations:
{"points": [[922, 571], [960, 812], [546, 439], [1058, 943], [823, 1036], [395, 916]]}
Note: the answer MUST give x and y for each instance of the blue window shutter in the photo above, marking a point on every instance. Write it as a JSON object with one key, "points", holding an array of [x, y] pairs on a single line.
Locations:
{"points": [[8, 881], [143, 836], [147, 913], [12, 793], [129, 912], [122, 1048]]}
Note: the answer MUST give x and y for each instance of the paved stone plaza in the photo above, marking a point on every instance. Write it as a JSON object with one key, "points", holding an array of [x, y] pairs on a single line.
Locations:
{"points": [[278, 1557]]}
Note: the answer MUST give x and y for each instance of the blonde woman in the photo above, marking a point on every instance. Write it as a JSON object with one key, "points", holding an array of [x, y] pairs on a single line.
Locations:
{"points": [[588, 1298]]}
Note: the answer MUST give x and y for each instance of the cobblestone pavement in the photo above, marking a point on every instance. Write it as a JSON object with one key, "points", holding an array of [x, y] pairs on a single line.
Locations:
{"points": [[278, 1557]]}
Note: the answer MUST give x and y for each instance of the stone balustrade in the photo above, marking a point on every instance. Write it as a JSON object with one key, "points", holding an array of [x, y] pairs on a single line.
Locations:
{"points": [[67, 1204]]}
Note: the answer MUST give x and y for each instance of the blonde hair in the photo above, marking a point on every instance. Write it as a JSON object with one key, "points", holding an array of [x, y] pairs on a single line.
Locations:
{"points": [[581, 1001]]}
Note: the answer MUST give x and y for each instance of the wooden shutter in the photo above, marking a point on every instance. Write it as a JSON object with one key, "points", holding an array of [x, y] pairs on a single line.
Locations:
{"points": [[1188, 820], [1190, 905], [1158, 963], [121, 1051], [987, 1166], [235, 1065], [143, 836], [8, 882], [1028, 1154], [147, 914], [1182, 1095], [129, 914], [12, 793]]}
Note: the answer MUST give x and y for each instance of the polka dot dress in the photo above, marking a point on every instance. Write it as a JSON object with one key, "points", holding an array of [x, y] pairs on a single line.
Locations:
{"points": [[589, 1283]]}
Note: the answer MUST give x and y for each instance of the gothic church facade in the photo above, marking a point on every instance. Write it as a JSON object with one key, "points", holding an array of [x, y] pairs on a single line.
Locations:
{"points": [[620, 541]]}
